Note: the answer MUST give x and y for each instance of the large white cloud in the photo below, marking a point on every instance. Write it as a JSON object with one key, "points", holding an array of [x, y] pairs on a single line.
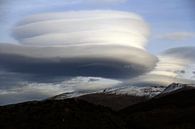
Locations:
{"points": [[83, 27], [101, 43], [54, 47]]}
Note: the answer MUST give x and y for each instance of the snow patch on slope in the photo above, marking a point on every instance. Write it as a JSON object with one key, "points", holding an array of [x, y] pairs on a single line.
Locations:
{"points": [[177, 86]]}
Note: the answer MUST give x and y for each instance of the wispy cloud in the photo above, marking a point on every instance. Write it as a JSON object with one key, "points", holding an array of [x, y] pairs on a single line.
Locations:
{"points": [[105, 1], [178, 36]]}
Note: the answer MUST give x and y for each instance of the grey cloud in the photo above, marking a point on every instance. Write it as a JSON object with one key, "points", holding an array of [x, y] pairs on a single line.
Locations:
{"points": [[185, 53], [175, 65], [158, 80], [106, 1], [178, 36], [175, 60], [111, 61]]}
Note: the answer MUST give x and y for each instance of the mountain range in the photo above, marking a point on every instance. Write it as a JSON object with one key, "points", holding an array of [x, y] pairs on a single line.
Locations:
{"points": [[173, 108]]}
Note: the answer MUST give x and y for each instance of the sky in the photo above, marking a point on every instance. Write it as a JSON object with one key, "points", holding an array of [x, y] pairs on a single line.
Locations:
{"points": [[167, 19], [85, 46]]}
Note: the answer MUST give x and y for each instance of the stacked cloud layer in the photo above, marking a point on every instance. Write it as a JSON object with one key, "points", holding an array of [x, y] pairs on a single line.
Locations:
{"points": [[78, 51], [84, 43], [83, 28], [73, 52], [175, 65]]}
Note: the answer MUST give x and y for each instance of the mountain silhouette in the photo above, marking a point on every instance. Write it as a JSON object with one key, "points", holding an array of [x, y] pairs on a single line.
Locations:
{"points": [[170, 111]]}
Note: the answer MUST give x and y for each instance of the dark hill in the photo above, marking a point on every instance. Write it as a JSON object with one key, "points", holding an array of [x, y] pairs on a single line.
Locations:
{"points": [[113, 101], [173, 111], [58, 114]]}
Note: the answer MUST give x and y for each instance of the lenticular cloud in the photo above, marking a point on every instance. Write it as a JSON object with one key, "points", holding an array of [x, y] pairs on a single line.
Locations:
{"points": [[175, 65], [78, 52], [83, 28], [98, 43]]}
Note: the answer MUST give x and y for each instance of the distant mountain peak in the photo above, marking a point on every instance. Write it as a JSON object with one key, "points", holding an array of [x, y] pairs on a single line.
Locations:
{"points": [[176, 87]]}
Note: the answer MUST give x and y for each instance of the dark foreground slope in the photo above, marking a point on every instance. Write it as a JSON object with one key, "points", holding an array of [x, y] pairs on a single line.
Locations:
{"points": [[113, 101], [172, 111], [58, 114]]}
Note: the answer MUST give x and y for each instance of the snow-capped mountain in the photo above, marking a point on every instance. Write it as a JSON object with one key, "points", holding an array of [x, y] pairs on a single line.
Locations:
{"points": [[149, 91], [137, 91], [71, 95], [132, 90], [176, 87]]}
